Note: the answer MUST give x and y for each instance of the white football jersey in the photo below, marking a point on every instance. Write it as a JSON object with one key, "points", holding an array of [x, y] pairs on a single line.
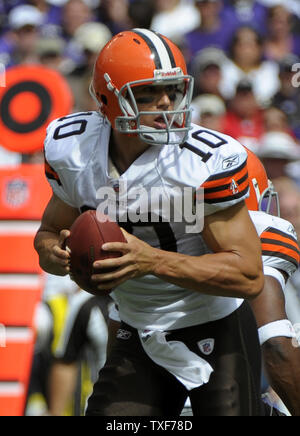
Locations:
{"points": [[77, 166]]}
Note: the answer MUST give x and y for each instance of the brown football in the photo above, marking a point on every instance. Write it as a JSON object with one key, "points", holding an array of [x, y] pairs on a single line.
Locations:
{"points": [[88, 234]]}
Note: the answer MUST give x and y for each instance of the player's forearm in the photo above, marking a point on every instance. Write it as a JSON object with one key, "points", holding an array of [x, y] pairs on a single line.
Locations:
{"points": [[221, 274], [281, 360]]}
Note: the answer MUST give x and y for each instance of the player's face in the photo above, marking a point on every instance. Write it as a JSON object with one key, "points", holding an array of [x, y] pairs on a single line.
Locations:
{"points": [[155, 98]]}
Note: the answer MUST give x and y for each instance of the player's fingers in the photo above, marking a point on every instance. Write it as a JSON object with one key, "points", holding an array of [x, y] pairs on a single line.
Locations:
{"points": [[112, 279], [60, 253], [121, 247], [115, 275], [64, 234], [112, 262]]}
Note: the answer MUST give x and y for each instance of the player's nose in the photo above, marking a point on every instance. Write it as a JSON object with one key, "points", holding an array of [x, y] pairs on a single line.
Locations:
{"points": [[164, 101]]}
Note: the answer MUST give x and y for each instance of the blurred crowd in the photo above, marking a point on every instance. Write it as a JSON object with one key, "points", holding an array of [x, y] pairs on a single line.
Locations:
{"points": [[243, 54]]}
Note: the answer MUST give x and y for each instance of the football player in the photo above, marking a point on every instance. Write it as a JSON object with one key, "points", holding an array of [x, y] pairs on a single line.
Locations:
{"points": [[179, 328], [281, 256]]}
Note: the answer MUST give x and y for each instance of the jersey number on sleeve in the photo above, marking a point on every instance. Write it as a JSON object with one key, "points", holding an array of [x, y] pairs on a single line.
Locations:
{"points": [[62, 131]]}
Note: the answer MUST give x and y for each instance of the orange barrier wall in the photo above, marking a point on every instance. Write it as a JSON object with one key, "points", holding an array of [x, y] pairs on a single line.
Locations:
{"points": [[24, 193]]}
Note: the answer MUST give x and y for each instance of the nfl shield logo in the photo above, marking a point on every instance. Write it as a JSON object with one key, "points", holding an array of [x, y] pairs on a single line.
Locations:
{"points": [[16, 193], [206, 346]]}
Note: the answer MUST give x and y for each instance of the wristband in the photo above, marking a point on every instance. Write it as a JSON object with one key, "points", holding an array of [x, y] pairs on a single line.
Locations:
{"points": [[273, 272], [274, 329]]}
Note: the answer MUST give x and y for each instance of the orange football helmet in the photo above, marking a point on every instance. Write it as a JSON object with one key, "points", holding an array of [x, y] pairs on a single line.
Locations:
{"points": [[141, 57], [262, 196]]}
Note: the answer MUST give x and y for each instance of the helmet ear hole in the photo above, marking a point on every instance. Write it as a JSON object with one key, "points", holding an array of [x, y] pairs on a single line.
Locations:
{"points": [[103, 99]]}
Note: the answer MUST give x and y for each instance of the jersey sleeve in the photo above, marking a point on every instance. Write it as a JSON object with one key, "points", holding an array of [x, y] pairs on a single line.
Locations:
{"points": [[55, 167], [228, 182], [280, 249], [68, 149]]}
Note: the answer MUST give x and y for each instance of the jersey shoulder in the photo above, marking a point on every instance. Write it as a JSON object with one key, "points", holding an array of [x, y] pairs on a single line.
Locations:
{"points": [[226, 163], [279, 243], [71, 141]]}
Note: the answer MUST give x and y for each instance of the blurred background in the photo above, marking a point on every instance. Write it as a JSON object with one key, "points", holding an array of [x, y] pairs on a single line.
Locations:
{"points": [[245, 57]]}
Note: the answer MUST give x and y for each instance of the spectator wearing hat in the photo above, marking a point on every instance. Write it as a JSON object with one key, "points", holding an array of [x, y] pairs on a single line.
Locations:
{"points": [[244, 119], [246, 61], [280, 40], [18, 45], [89, 39], [50, 52], [206, 68], [288, 97], [277, 150], [51, 9], [213, 30], [208, 111]]}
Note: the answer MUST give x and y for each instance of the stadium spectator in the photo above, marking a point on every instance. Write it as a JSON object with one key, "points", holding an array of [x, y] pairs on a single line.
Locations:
{"points": [[288, 96], [213, 30], [281, 40], [50, 52], [276, 150], [52, 12], [292, 5], [17, 46], [275, 120], [174, 18], [289, 198], [206, 68], [115, 15], [89, 38], [75, 13], [246, 61], [209, 111], [244, 118], [141, 13]]}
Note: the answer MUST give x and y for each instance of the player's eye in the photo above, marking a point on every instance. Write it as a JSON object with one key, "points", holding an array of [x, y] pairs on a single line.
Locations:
{"points": [[172, 96], [145, 99]]}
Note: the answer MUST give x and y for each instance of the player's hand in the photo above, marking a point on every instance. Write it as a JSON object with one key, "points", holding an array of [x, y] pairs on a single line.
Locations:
{"points": [[138, 259], [59, 256]]}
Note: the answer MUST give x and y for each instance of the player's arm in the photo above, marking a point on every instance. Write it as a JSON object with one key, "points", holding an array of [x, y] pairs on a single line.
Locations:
{"points": [[234, 269], [281, 357], [57, 219]]}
